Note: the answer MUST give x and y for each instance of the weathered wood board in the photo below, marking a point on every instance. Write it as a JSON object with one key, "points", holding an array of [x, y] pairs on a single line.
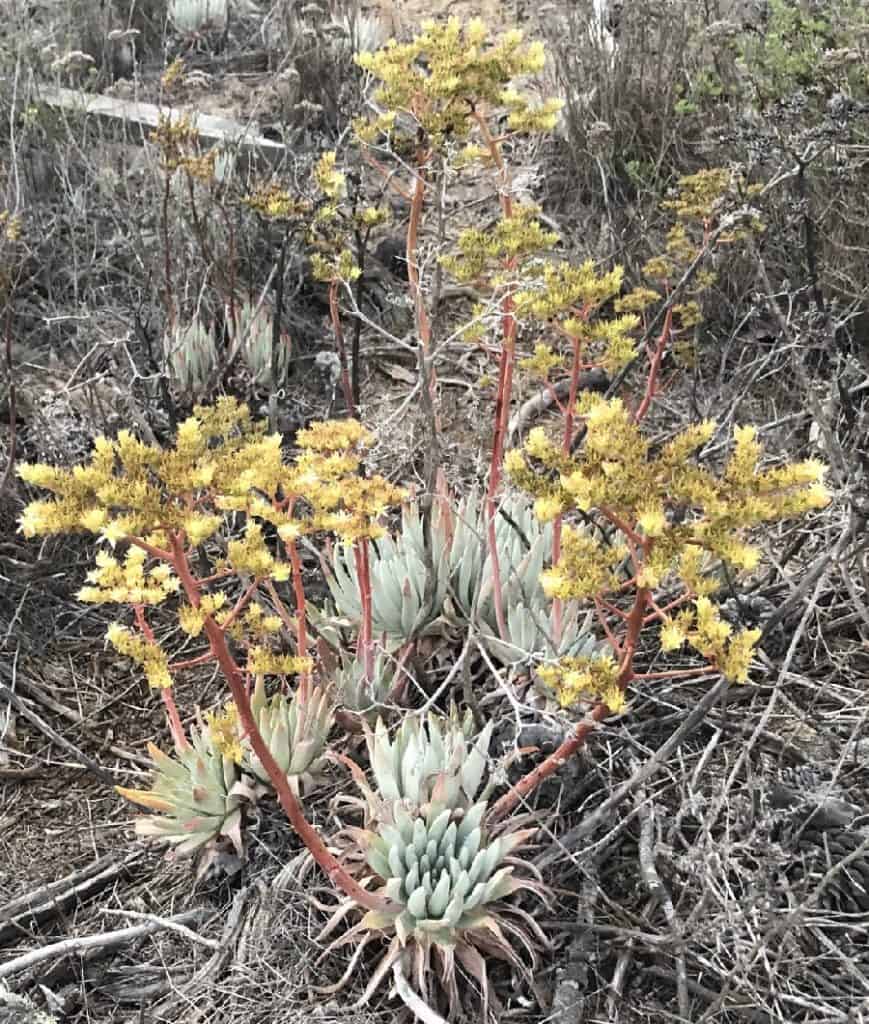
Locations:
{"points": [[209, 128]]}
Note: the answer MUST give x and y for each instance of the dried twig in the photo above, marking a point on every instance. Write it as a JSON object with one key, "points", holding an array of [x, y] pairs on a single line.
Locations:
{"points": [[659, 892], [165, 922], [37, 693], [27, 712], [55, 898], [572, 837], [421, 1010], [101, 940], [13, 436]]}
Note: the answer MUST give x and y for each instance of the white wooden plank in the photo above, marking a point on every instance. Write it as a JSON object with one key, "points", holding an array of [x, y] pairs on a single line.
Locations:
{"points": [[217, 129]]}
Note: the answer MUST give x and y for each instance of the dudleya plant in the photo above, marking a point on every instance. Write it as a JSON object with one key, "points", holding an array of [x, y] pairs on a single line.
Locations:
{"points": [[429, 760], [295, 728], [523, 546], [414, 595], [251, 327], [362, 693], [189, 521], [195, 15], [199, 795], [406, 598], [191, 356], [445, 877]]}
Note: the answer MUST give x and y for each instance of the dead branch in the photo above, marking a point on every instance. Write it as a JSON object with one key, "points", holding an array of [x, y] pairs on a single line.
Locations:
{"points": [[102, 940]]}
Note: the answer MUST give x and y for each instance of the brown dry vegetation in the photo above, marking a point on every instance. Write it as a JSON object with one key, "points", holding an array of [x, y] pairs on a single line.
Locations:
{"points": [[727, 878]]}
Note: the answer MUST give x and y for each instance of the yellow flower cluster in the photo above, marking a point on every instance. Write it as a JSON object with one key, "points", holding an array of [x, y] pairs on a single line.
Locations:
{"points": [[513, 237], [449, 72], [258, 623], [132, 489], [570, 296], [586, 567], [562, 287], [224, 728], [523, 117], [261, 661], [701, 194], [200, 167], [610, 341], [548, 507], [128, 583], [11, 225], [150, 657], [576, 679], [192, 620], [250, 556], [616, 472], [542, 363], [221, 462], [172, 74], [701, 201], [372, 216], [709, 635], [636, 301], [175, 137], [331, 183], [339, 267], [271, 201]]}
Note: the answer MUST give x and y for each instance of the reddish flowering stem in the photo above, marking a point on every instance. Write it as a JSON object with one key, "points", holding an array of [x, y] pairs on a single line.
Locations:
{"points": [[239, 690], [412, 238], [154, 552], [600, 608], [292, 626], [387, 175], [299, 593], [215, 577], [203, 659], [632, 536], [571, 400], [502, 417], [632, 635], [365, 649], [611, 608], [655, 366], [556, 401], [505, 381], [240, 605], [423, 324], [557, 605], [502, 414], [528, 783], [492, 540], [175, 726], [659, 613], [338, 331]]}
